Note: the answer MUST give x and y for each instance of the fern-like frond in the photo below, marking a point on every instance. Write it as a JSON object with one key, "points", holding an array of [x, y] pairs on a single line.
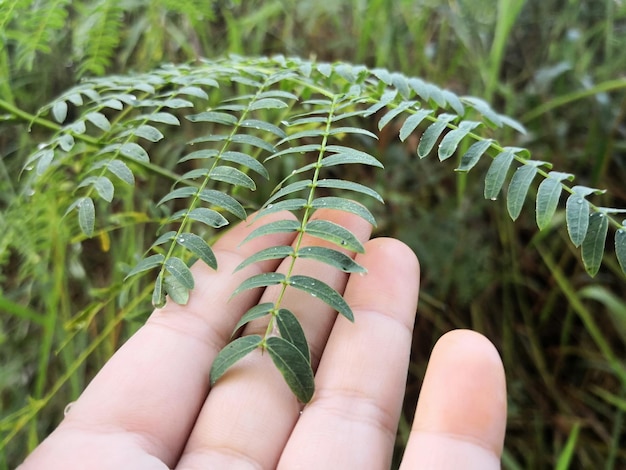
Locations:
{"points": [[35, 26], [242, 119], [97, 36]]}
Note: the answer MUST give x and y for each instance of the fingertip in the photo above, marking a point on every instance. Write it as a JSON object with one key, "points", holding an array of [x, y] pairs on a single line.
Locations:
{"points": [[462, 401]]}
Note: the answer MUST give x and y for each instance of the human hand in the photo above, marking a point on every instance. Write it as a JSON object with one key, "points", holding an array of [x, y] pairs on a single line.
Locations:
{"points": [[150, 406]]}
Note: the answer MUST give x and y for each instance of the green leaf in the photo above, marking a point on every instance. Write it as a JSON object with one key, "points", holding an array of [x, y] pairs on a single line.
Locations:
{"points": [[59, 111], [121, 170], [548, 196], [293, 366], [232, 353], [223, 201], [518, 189], [322, 291], [178, 193], [346, 155], [86, 215], [454, 102], [620, 246], [432, 133], [345, 205], [233, 176], [268, 103], [158, 294], [66, 142], [207, 216], [387, 97], [263, 126], [177, 292], [352, 130], [577, 211], [278, 226], [177, 268], [450, 142], [483, 108], [291, 330], [148, 132], [258, 311], [260, 280], [194, 91], [104, 188], [287, 205], [334, 233], [412, 122], [593, 244], [177, 103], [134, 151], [163, 118], [214, 117], [331, 257], [497, 173], [289, 189], [299, 149], [146, 264], [349, 186], [273, 252], [99, 120], [166, 237], [246, 161], [199, 247], [392, 113]]}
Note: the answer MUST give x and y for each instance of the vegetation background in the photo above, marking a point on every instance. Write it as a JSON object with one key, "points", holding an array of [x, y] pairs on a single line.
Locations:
{"points": [[556, 65]]}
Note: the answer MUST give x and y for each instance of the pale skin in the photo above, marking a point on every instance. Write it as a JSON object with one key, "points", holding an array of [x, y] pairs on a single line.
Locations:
{"points": [[151, 406]]}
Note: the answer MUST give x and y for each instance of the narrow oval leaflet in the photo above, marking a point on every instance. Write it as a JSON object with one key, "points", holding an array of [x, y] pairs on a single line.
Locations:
{"points": [[232, 353], [593, 244], [322, 291], [293, 366]]}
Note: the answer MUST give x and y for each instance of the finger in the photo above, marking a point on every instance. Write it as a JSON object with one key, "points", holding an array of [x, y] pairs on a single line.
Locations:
{"points": [[461, 414], [351, 421], [250, 411], [154, 386]]}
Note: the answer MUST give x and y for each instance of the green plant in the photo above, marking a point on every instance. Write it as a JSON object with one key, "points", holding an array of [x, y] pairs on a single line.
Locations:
{"points": [[292, 122]]}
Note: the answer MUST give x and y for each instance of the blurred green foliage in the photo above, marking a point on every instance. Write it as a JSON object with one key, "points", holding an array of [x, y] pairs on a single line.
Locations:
{"points": [[557, 65]]}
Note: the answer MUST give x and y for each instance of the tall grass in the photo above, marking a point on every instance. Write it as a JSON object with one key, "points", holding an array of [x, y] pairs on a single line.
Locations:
{"points": [[556, 64]]}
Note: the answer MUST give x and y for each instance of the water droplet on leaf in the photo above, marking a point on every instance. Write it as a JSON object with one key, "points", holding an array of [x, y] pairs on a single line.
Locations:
{"points": [[67, 408]]}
